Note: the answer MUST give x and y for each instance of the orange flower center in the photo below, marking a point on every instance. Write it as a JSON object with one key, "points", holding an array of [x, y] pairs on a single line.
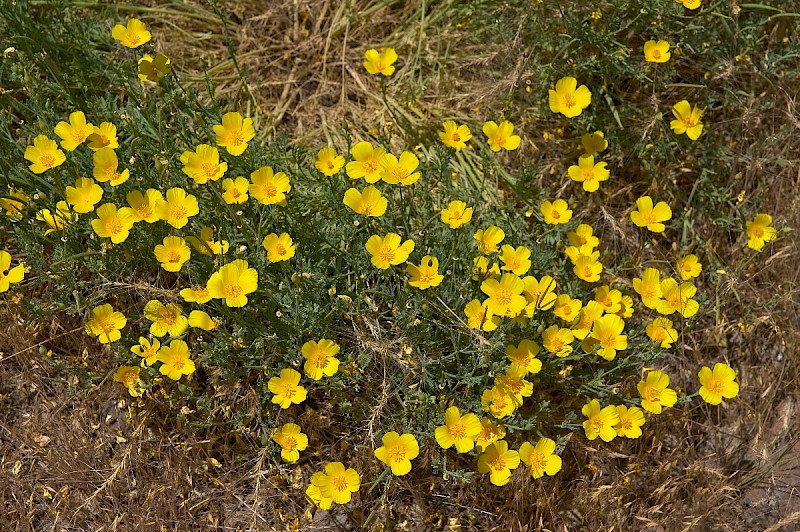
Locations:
{"points": [[538, 461], [398, 173], [269, 190], [652, 394], [289, 443], [626, 423], [47, 160], [145, 210], [176, 212], [178, 363], [568, 100], [370, 166], [496, 463], [715, 386], [236, 137], [114, 225], [656, 54], [338, 482], [280, 250], [232, 291], [396, 452], [173, 256], [503, 296], [457, 430], [132, 37], [106, 324], [209, 170], [386, 254]]}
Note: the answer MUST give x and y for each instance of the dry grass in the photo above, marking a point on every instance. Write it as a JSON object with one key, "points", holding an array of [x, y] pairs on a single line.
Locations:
{"points": [[76, 454]]}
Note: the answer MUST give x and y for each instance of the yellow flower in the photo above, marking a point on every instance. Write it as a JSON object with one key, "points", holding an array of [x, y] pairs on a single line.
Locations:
{"points": [[279, 248], [233, 282], [600, 422], [234, 133], [589, 173], [456, 214], [175, 361], [479, 317], [105, 167], [338, 483], [206, 244], [501, 136], [167, 319], [314, 494], [291, 440], [760, 231], [455, 136], [328, 162], [687, 120], [607, 333], [103, 136], [689, 267], [173, 253], [147, 350], [366, 163], [498, 402], [14, 203], [143, 206], [57, 220], [656, 52], [128, 376], [8, 276], [566, 308], [394, 171], [458, 430], [625, 307], [481, 269], [490, 433], [630, 421], [387, 250], [267, 187], [557, 340], [201, 320], [594, 142], [586, 318], [655, 393], [516, 261], [588, 269], [689, 4], [380, 62], [397, 452], [678, 298], [718, 383], [112, 223], [370, 202], [514, 383], [426, 274], [177, 208], [132, 36], [649, 287], [287, 388], [505, 296], [660, 330], [44, 154], [235, 192], [151, 69], [542, 292], [524, 356], [540, 458], [488, 239], [582, 236], [74, 132], [555, 213], [105, 324], [197, 294], [569, 99], [610, 299], [651, 216], [320, 358], [498, 461], [203, 164]]}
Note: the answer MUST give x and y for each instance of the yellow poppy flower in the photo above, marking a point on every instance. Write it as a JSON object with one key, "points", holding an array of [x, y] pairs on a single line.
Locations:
{"points": [[74, 132], [569, 99], [233, 282], [234, 133], [44, 154], [380, 62], [133, 35]]}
